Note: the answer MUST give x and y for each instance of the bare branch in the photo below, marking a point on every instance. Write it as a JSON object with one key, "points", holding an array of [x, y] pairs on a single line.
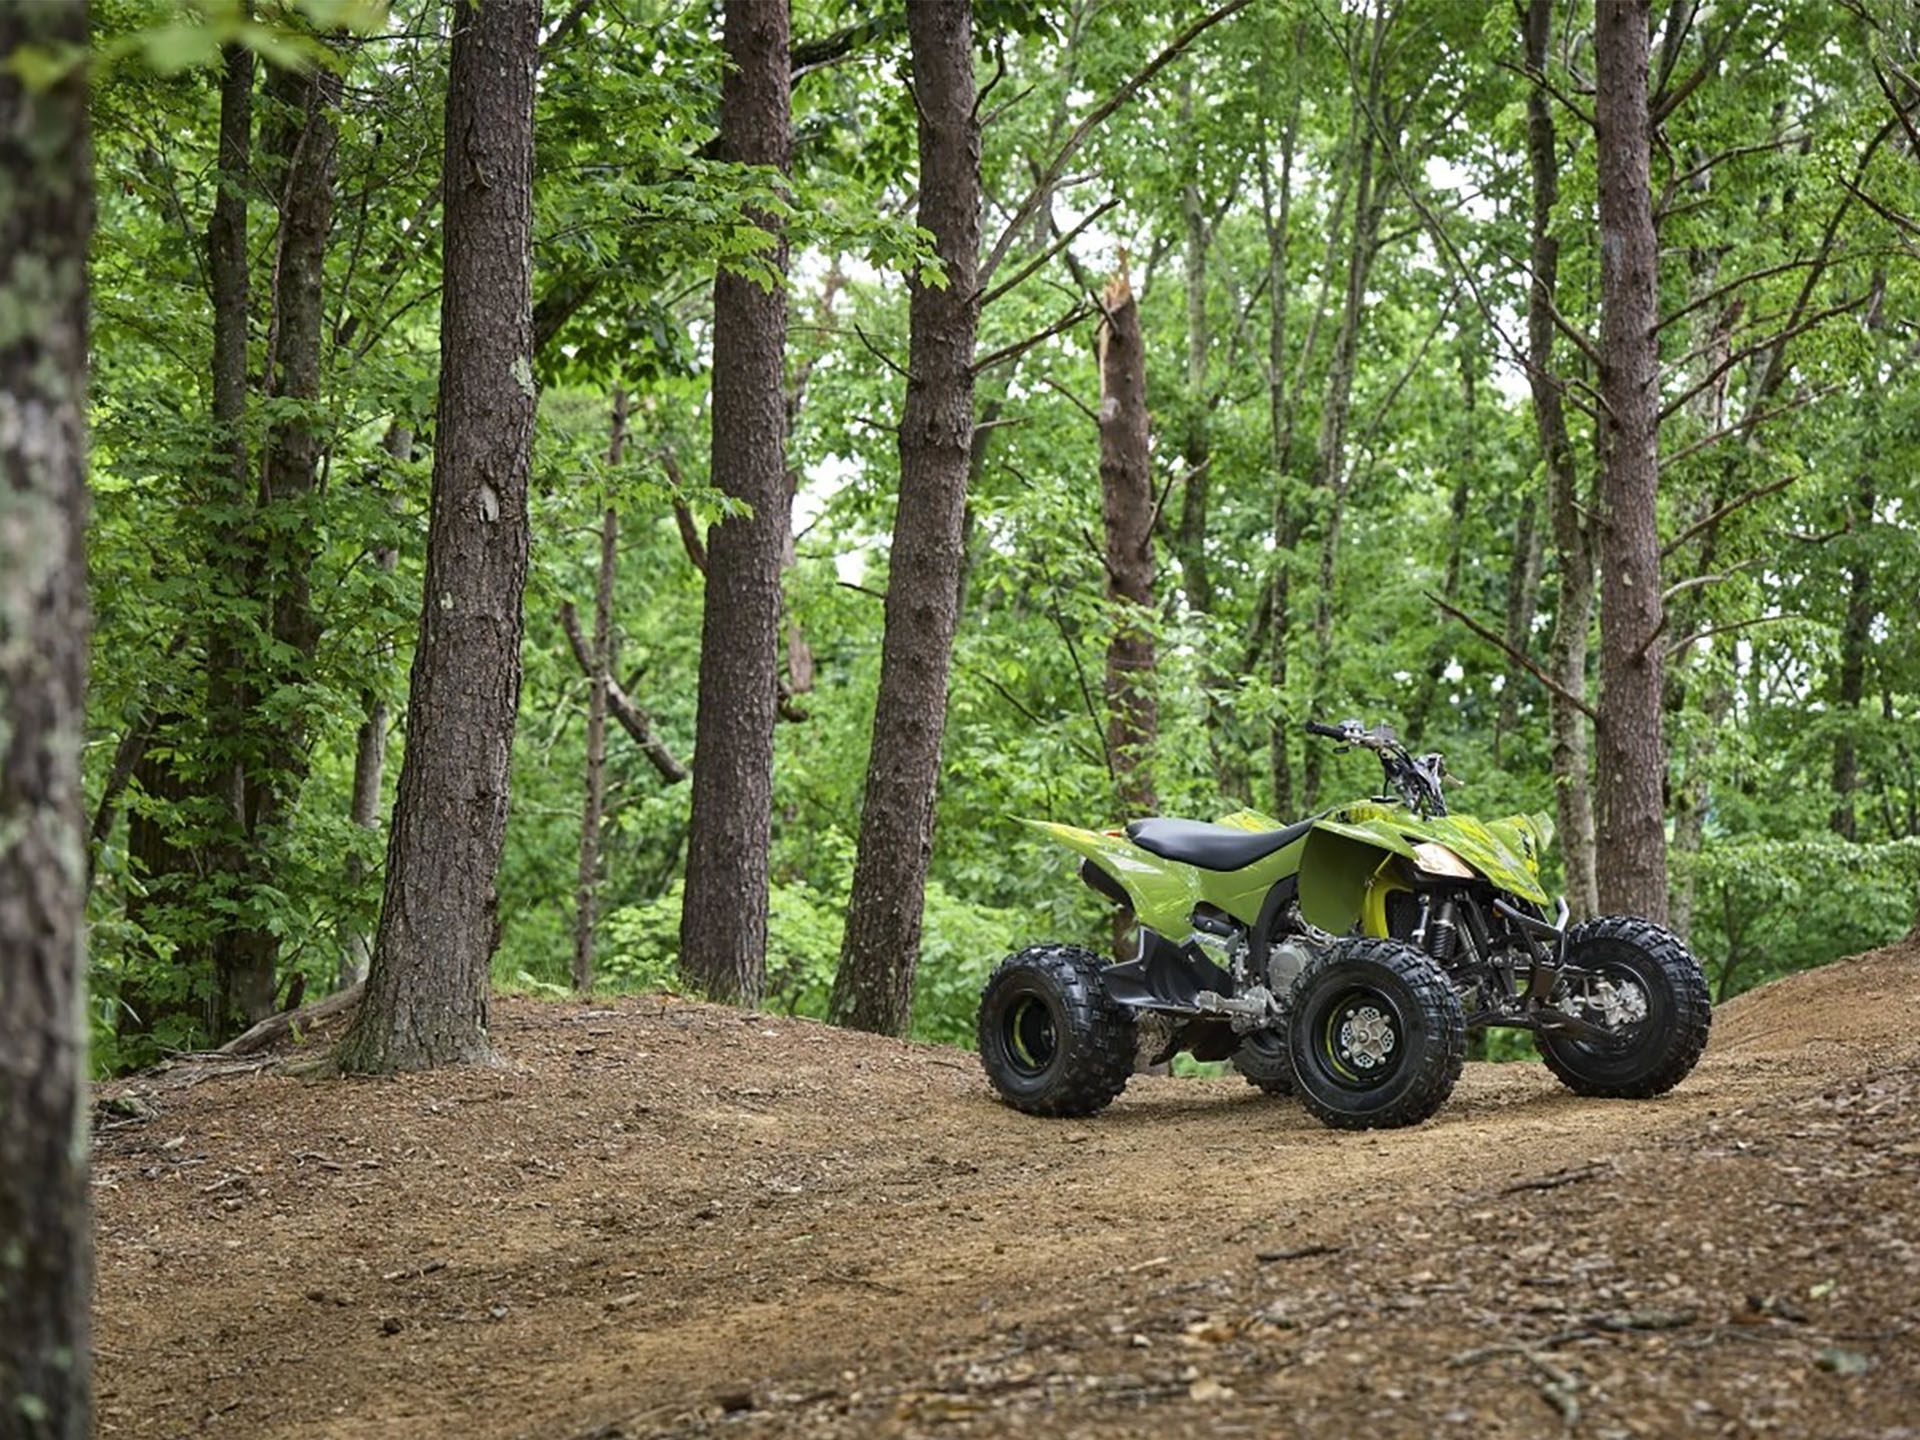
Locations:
{"points": [[1060, 243], [1024, 212], [1519, 657], [1748, 422], [1774, 343], [1707, 632], [1020, 347], [1750, 278], [635, 721], [1758, 492], [881, 355]]}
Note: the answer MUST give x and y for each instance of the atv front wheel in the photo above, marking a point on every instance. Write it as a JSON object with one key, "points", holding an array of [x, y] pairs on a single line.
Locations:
{"points": [[1263, 1059], [1377, 1035], [1638, 981], [1051, 1040]]}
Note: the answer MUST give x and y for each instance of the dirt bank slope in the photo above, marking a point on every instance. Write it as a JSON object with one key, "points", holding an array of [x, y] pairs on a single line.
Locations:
{"points": [[662, 1218]]}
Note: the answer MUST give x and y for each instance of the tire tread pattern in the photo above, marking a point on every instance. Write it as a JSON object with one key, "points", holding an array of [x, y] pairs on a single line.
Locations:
{"points": [[1687, 990], [1439, 1065], [1095, 1033]]}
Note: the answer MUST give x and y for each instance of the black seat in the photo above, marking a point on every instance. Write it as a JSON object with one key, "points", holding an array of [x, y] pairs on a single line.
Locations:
{"points": [[1211, 847]]}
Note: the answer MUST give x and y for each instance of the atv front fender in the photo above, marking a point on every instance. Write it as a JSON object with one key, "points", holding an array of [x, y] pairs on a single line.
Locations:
{"points": [[1338, 870]]}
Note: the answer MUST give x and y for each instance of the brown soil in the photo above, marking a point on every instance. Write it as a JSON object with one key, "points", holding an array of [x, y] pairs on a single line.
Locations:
{"points": [[662, 1218]]}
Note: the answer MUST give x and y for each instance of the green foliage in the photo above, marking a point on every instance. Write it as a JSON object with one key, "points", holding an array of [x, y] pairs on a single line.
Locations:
{"points": [[1785, 188]]}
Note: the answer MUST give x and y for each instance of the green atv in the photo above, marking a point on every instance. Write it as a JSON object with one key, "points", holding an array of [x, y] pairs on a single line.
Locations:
{"points": [[1343, 960]]}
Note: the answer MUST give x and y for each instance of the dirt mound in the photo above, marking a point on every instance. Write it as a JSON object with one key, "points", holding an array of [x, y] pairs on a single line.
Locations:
{"points": [[1861, 1001], [663, 1218]]}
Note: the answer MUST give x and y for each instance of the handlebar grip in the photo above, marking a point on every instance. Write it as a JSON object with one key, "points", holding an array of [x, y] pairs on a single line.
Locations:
{"points": [[1333, 732]]}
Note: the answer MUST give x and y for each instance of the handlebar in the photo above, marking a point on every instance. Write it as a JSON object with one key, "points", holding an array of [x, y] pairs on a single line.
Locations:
{"points": [[1418, 780]]}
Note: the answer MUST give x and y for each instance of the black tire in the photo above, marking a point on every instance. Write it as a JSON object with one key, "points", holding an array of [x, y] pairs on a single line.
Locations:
{"points": [[1377, 1035], [1264, 1059], [1051, 1040], [1657, 1048]]}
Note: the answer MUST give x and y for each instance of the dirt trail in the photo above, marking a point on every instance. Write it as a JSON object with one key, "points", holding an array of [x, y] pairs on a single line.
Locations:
{"points": [[664, 1218]]}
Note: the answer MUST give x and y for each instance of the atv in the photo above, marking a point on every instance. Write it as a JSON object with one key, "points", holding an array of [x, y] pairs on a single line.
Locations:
{"points": [[1344, 959]]}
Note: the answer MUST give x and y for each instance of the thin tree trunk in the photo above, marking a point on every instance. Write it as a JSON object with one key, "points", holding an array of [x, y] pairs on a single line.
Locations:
{"points": [[1190, 534], [587, 891], [427, 991], [1126, 506], [723, 920], [1573, 605], [1330, 477], [370, 746], [300, 154], [873, 989], [46, 1253], [1631, 752], [180, 765], [1275, 215], [1427, 692], [1688, 786], [1523, 603], [1856, 633]]}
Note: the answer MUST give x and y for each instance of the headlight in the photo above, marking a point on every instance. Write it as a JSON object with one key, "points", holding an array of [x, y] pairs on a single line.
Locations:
{"points": [[1436, 859]]}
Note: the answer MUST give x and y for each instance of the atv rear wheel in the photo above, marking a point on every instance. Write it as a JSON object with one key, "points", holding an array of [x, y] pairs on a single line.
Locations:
{"points": [[1263, 1058], [1377, 1035], [1643, 984], [1051, 1040]]}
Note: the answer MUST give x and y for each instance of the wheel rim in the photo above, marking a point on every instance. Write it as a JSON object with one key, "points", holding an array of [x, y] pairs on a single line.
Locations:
{"points": [[1617, 998], [1362, 1038], [1030, 1035]]}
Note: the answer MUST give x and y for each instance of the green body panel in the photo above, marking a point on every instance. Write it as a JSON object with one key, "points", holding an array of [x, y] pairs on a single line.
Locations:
{"points": [[1165, 891], [1339, 862]]}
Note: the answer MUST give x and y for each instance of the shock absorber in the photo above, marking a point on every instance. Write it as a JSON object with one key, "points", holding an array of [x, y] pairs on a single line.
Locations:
{"points": [[1443, 934]]}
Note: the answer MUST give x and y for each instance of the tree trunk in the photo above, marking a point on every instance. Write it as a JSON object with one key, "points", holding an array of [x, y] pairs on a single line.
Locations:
{"points": [[1190, 535], [723, 922], [1630, 834], [370, 745], [873, 989], [1330, 455], [46, 1253], [1523, 603], [1275, 216], [1126, 506], [1427, 693], [265, 779], [1856, 634], [586, 893], [1573, 546], [427, 990], [182, 764]]}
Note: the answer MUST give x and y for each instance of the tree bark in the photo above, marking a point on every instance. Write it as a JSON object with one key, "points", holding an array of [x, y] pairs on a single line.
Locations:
{"points": [[1573, 546], [1330, 474], [1630, 834], [723, 921], [1126, 506], [873, 989], [1275, 217], [427, 989], [1523, 603], [587, 890], [1856, 633], [265, 777], [46, 217], [370, 745], [1427, 693]]}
